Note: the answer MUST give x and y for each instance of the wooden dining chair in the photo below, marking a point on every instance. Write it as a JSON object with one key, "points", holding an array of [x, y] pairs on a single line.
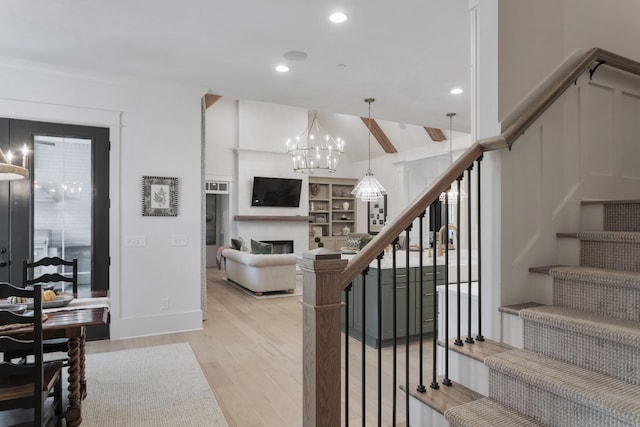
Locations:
{"points": [[28, 269], [53, 345], [36, 385]]}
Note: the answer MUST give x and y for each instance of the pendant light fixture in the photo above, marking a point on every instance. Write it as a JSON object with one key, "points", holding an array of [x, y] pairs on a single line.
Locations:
{"points": [[369, 189], [453, 190], [315, 151], [9, 171]]}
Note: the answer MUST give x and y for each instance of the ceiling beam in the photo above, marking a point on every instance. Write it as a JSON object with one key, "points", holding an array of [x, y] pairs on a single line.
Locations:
{"points": [[210, 99], [380, 136], [436, 134]]}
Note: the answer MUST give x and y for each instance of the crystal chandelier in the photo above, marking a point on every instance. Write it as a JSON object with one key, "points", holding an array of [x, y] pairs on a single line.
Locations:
{"points": [[9, 171], [315, 151], [369, 189]]}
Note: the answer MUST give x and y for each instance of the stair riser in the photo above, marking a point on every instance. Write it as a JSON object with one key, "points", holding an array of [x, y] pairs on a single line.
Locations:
{"points": [[608, 357], [623, 217], [611, 255], [609, 300], [544, 406]]}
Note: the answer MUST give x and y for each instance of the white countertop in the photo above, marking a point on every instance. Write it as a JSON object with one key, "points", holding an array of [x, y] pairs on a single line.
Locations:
{"points": [[427, 261]]}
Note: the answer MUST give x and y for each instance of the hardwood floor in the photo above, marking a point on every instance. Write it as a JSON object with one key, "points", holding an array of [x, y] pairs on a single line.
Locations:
{"points": [[251, 353]]}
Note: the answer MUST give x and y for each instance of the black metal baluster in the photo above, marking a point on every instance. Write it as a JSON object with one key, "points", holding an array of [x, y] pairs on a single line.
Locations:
{"points": [[458, 341], [434, 373], [421, 388], [347, 290], [479, 337], [395, 331], [380, 339], [407, 301], [364, 354], [469, 339], [446, 380]]}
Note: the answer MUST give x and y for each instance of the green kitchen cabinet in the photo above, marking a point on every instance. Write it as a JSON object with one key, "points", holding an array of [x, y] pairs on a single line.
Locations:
{"points": [[407, 283]]}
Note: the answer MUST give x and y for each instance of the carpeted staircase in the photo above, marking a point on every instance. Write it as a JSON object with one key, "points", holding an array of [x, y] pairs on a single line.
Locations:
{"points": [[580, 365]]}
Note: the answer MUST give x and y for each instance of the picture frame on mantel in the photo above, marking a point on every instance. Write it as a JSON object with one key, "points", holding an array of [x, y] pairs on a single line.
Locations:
{"points": [[377, 215], [159, 196]]}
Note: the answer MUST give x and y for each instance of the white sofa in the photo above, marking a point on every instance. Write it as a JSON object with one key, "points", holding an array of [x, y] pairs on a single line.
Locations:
{"points": [[261, 273]]}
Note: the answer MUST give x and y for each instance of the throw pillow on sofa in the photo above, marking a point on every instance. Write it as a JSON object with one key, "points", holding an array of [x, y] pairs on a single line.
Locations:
{"points": [[260, 247], [236, 244], [239, 245]]}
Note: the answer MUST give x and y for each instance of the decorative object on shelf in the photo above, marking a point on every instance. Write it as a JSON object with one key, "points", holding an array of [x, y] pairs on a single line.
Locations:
{"points": [[317, 231], [377, 215], [346, 230], [159, 196], [314, 151], [314, 189], [369, 189], [11, 172], [345, 206]]}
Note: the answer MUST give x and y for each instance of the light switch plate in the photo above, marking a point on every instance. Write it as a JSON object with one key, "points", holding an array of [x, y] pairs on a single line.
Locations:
{"points": [[139, 241], [179, 240]]}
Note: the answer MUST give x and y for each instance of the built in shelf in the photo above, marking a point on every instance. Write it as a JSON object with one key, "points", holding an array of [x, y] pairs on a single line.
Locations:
{"points": [[303, 218]]}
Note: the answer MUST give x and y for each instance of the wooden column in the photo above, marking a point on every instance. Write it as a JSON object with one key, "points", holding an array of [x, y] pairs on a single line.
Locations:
{"points": [[321, 302]]}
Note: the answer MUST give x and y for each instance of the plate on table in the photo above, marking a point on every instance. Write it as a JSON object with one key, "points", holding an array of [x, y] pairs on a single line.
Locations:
{"points": [[16, 308], [44, 287], [60, 301]]}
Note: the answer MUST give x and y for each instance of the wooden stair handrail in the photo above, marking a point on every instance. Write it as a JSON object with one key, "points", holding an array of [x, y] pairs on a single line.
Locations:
{"points": [[538, 105]]}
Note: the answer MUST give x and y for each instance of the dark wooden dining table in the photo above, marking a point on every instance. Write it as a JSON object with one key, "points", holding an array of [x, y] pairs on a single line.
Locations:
{"points": [[71, 324]]}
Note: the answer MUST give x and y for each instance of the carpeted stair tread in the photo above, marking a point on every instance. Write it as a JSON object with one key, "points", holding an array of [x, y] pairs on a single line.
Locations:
{"points": [[487, 412], [598, 275], [584, 322], [610, 236], [608, 395]]}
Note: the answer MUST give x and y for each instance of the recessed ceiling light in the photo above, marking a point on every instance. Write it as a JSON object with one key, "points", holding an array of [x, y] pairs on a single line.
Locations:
{"points": [[456, 91], [338, 17], [282, 68]]}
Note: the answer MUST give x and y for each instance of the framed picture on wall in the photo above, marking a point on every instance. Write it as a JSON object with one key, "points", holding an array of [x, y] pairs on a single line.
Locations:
{"points": [[159, 196], [377, 215]]}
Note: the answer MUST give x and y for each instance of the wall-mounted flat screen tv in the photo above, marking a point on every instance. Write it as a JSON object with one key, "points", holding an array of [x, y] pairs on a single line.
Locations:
{"points": [[278, 192]]}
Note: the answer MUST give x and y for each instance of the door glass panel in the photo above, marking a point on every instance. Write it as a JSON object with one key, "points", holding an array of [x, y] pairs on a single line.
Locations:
{"points": [[62, 209]]}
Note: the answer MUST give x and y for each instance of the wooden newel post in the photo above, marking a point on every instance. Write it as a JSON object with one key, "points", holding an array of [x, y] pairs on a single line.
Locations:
{"points": [[321, 305]]}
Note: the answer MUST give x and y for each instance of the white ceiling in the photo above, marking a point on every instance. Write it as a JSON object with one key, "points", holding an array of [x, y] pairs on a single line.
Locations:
{"points": [[407, 54]]}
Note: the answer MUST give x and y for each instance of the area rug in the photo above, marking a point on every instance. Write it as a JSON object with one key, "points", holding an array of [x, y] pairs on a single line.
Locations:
{"points": [[274, 294], [151, 386]]}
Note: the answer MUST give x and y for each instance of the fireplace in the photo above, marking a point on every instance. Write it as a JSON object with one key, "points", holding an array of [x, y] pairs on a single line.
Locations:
{"points": [[281, 246]]}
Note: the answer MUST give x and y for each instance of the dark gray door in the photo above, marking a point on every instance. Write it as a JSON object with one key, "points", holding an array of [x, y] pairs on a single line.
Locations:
{"points": [[63, 208]]}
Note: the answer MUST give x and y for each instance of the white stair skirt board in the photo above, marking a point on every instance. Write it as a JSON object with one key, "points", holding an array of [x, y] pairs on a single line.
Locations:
{"points": [[464, 370], [422, 415], [512, 329]]}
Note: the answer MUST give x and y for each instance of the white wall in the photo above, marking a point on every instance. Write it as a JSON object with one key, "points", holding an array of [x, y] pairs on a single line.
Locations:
{"points": [[536, 37], [154, 130], [585, 146]]}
